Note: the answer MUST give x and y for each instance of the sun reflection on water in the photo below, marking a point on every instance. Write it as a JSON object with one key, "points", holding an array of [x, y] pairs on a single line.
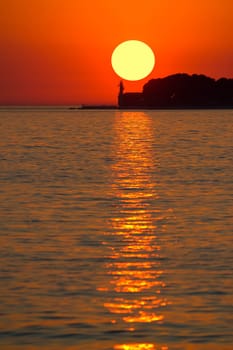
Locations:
{"points": [[135, 347], [135, 267], [142, 346]]}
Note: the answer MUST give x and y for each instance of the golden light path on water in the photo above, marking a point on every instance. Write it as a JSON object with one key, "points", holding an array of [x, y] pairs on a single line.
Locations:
{"points": [[137, 274]]}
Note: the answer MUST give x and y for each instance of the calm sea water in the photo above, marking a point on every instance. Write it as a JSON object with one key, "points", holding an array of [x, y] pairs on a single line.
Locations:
{"points": [[116, 230]]}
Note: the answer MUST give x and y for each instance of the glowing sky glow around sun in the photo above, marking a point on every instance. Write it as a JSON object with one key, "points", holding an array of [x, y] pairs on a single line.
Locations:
{"points": [[59, 52]]}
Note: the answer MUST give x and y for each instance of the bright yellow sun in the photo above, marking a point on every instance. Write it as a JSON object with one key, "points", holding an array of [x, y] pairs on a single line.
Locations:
{"points": [[133, 60]]}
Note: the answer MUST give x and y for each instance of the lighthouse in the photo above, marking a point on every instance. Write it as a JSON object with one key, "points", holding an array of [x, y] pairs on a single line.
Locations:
{"points": [[120, 95]]}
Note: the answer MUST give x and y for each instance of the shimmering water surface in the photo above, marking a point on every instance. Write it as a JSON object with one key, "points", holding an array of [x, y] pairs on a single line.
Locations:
{"points": [[116, 230]]}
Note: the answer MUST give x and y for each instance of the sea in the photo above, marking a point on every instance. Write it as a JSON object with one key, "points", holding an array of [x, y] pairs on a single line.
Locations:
{"points": [[116, 229]]}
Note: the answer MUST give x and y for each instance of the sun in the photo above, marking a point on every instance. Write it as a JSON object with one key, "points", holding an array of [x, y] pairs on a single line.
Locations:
{"points": [[133, 60]]}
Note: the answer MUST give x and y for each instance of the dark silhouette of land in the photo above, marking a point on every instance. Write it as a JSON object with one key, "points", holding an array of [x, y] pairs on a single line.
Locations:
{"points": [[180, 91]]}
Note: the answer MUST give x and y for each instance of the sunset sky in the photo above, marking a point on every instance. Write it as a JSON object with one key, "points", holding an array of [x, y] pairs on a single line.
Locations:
{"points": [[59, 51]]}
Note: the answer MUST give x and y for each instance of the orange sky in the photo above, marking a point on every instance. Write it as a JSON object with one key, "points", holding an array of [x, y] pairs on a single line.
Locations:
{"points": [[59, 52]]}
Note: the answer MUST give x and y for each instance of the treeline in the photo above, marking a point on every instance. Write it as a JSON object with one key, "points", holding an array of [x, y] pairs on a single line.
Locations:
{"points": [[183, 90]]}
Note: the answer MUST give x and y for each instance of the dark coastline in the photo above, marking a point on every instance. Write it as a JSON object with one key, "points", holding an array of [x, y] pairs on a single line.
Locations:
{"points": [[94, 107], [180, 91]]}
